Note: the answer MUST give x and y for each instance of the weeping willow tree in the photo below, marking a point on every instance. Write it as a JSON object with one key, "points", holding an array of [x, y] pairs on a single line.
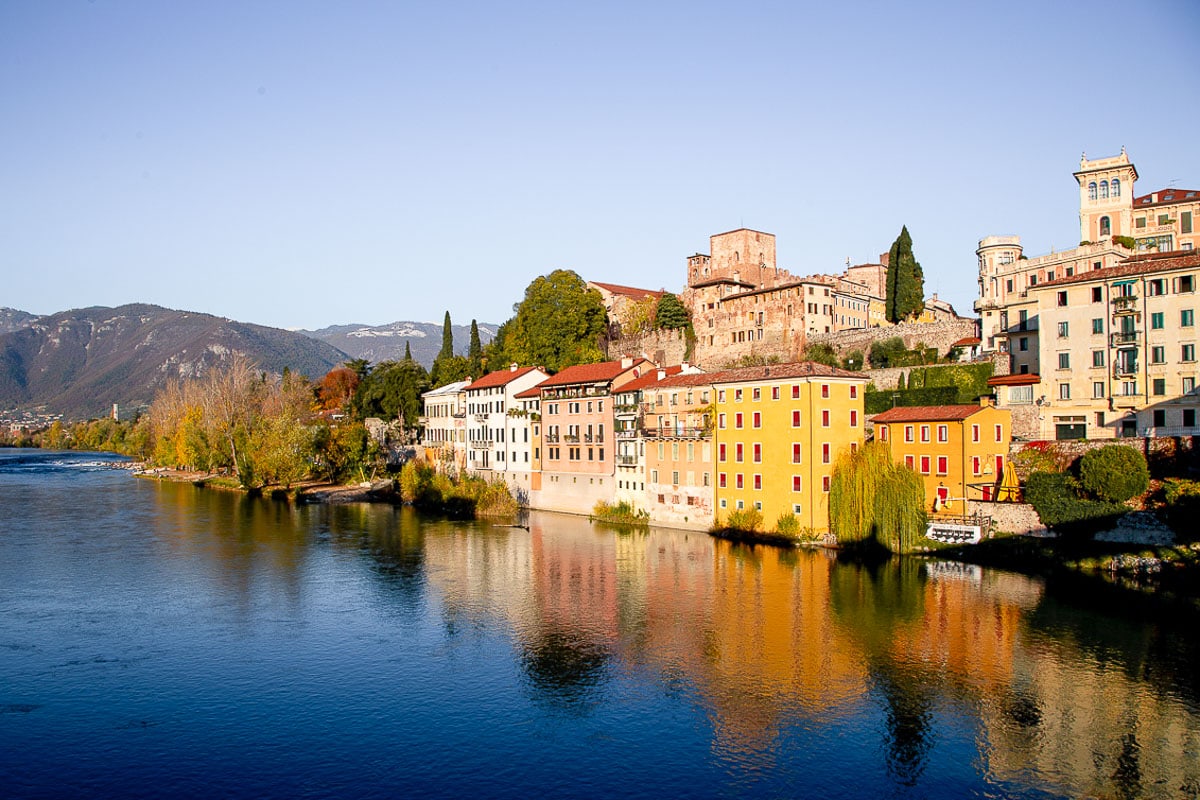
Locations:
{"points": [[874, 499]]}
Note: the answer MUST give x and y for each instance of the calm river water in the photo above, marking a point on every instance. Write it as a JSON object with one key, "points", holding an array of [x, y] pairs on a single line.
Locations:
{"points": [[157, 640]]}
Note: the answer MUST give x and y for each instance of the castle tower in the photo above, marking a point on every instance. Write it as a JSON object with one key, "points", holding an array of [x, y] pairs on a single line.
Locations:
{"points": [[742, 255], [1105, 197]]}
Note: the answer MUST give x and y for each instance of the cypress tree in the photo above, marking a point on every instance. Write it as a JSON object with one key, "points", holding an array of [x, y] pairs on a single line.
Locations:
{"points": [[905, 280], [475, 348], [407, 352], [444, 355]]}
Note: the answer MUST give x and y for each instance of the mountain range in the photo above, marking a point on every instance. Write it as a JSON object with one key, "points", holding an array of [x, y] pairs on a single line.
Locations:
{"points": [[79, 362], [378, 343]]}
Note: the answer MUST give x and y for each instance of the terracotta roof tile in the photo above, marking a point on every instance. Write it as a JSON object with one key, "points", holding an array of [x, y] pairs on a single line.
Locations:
{"points": [[650, 378], [528, 394], [967, 342], [1028, 379], [501, 377], [1167, 197], [592, 373], [1134, 265], [928, 413], [798, 369], [629, 291]]}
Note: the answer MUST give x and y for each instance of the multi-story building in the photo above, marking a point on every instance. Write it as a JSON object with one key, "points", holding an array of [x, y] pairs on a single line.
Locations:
{"points": [[677, 415], [444, 425], [1119, 349], [779, 429], [488, 401], [1113, 224], [578, 456], [958, 450], [628, 433]]}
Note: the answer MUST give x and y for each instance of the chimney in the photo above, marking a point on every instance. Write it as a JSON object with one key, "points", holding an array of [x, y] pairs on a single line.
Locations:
{"points": [[684, 367], [512, 367], [626, 362], [662, 373]]}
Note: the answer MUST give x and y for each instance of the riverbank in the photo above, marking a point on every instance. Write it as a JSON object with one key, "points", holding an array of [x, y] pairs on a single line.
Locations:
{"points": [[313, 491]]}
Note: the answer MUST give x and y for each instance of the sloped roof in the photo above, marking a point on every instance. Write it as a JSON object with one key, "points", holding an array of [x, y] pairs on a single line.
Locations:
{"points": [[1026, 379], [929, 413], [798, 369], [1167, 197], [967, 342], [592, 373], [629, 291], [650, 378], [533, 392], [1134, 265], [449, 388], [501, 377]]}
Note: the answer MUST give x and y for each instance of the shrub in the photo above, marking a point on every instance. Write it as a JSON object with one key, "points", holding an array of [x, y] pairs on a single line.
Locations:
{"points": [[1114, 473], [1055, 497], [749, 520], [787, 525], [622, 513], [1182, 499]]}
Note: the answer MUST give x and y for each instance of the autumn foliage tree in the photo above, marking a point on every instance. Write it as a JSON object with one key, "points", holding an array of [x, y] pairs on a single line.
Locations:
{"points": [[336, 388]]}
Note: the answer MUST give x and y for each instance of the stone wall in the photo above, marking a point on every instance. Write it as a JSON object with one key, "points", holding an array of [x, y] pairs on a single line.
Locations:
{"points": [[1166, 455], [941, 335], [663, 347], [1015, 518]]}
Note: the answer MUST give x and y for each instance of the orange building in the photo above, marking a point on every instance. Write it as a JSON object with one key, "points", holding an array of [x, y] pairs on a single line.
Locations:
{"points": [[958, 450]]}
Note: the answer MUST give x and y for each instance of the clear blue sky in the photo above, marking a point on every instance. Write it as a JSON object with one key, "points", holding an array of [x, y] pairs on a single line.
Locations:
{"points": [[311, 163]]}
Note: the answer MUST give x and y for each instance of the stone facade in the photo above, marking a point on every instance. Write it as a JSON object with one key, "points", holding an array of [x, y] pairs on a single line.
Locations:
{"points": [[942, 335]]}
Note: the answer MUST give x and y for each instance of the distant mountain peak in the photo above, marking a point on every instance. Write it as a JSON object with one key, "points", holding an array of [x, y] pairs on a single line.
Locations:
{"points": [[377, 343]]}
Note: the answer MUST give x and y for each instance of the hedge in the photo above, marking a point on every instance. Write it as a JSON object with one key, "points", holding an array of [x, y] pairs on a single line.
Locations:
{"points": [[1055, 497], [878, 402]]}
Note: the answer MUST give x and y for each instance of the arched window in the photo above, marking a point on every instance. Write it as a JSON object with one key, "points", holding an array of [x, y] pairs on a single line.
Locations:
{"points": [[1116, 188], [1105, 226], [1103, 190], [1092, 190], [736, 256]]}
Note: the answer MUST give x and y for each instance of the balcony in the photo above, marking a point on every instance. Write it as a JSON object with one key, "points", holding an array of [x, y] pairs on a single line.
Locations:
{"points": [[1124, 305], [480, 444], [571, 438], [1127, 369], [590, 439], [678, 432], [1126, 400], [625, 435], [625, 409], [551, 438], [481, 416], [1124, 337], [627, 461]]}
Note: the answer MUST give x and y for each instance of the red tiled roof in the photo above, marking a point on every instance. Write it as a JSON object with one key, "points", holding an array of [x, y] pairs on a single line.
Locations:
{"points": [[1134, 265], [691, 379], [591, 373], [718, 281], [650, 378], [1028, 379], [799, 369], [536, 391], [1167, 197], [629, 291], [967, 342], [928, 413], [500, 377]]}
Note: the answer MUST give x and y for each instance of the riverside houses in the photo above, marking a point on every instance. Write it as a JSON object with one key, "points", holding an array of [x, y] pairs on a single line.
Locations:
{"points": [[578, 453], [488, 439], [779, 431], [958, 450], [444, 426], [627, 436], [678, 437]]}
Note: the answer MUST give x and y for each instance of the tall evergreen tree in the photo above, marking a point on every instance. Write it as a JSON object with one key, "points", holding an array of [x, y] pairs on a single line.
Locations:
{"points": [[905, 280], [475, 352], [407, 352], [440, 362]]}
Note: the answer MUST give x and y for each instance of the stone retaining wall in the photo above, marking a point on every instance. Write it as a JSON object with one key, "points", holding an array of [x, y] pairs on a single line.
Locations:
{"points": [[1015, 518], [942, 335]]}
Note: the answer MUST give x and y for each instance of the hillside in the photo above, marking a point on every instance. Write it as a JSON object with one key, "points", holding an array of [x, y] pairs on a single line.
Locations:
{"points": [[386, 342], [80, 362], [12, 319]]}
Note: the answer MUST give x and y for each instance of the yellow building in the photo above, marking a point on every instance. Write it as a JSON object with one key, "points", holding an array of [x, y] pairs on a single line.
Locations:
{"points": [[779, 430], [958, 450]]}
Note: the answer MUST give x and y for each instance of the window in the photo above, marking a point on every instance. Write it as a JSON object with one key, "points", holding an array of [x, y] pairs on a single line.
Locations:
{"points": [[1189, 418], [1103, 190], [720, 395], [1064, 360], [738, 452], [1023, 344], [1092, 190], [1189, 385], [943, 465], [1098, 325], [721, 421], [757, 391], [1064, 391], [825, 453], [757, 453], [1185, 284], [825, 390], [1105, 226], [737, 420], [825, 418], [974, 433], [1098, 390], [720, 452], [853, 392], [1097, 358], [797, 483], [908, 433], [1159, 386], [1187, 318], [1097, 294], [738, 481], [1140, 222], [1156, 321], [1156, 287], [1116, 187], [924, 465], [924, 433], [774, 392], [737, 395], [883, 433], [1158, 355], [1188, 353], [721, 480], [999, 433], [974, 465], [909, 462], [795, 419], [674, 477], [797, 451], [1185, 222], [825, 484], [1062, 298], [1062, 330], [795, 391], [757, 419], [853, 418], [758, 481]]}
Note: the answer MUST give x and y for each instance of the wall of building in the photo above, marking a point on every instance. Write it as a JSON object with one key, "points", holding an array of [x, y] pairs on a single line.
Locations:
{"points": [[941, 335]]}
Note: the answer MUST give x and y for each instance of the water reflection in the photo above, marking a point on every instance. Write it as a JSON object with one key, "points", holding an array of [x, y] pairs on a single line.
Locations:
{"points": [[912, 675]]}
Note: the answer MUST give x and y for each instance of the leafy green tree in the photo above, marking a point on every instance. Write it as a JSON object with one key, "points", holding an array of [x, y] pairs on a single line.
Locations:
{"points": [[558, 324], [821, 353], [360, 366], [854, 361], [392, 391], [671, 313], [874, 500], [905, 280], [1114, 473]]}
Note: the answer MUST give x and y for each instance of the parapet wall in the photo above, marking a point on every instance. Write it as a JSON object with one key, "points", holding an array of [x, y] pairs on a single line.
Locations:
{"points": [[942, 335]]}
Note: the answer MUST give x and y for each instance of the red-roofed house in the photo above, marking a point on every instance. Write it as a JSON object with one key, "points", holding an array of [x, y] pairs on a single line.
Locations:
{"points": [[578, 454], [494, 446], [958, 450]]}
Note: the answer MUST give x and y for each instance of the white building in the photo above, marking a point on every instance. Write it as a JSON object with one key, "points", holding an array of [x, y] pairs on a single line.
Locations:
{"points": [[489, 400], [444, 426]]}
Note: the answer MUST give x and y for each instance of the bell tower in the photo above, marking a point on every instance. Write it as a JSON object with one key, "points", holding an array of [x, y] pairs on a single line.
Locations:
{"points": [[1105, 197]]}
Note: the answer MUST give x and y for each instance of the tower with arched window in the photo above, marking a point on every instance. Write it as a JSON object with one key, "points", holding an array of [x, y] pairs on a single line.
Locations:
{"points": [[1105, 197]]}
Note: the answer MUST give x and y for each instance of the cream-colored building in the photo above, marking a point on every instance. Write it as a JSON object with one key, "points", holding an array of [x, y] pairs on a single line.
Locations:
{"points": [[1118, 349], [444, 425]]}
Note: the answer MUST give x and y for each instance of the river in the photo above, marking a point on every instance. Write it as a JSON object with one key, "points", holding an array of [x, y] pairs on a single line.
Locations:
{"points": [[158, 640]]}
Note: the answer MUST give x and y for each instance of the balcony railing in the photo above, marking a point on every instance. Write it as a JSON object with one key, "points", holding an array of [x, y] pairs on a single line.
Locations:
{"points": [[1125, 304], [623, 435], [1125, 370], [480, 444], [626, 408], [678, 432], [551, 438], [590, 439], [571, 438], [627, 461], [1125, 337], [1126, 400]]}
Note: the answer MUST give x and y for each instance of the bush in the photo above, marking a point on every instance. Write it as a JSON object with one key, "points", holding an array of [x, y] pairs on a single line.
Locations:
{"points": [[1114, 473], [878, 402], [1182, 498], [788, 526], [622, 513], [749, 520], [1055, 497]]}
